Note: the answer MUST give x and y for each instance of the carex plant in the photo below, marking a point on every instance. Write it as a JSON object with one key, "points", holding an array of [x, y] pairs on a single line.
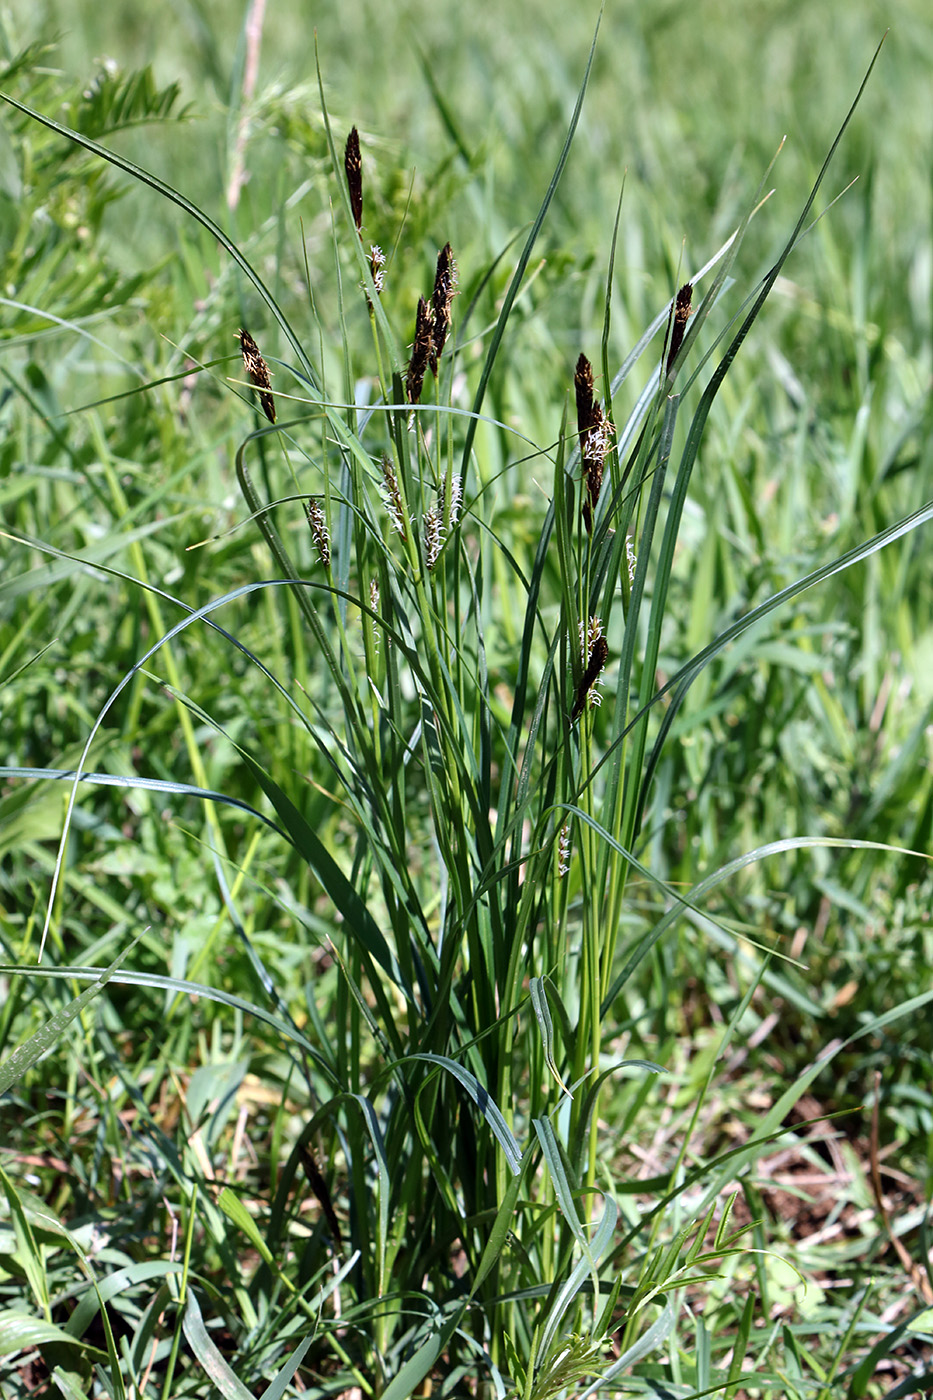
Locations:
{"points": [[472, 815]]}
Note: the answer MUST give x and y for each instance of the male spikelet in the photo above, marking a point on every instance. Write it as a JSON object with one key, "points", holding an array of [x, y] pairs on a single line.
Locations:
{"points": [[595, 651], [594, 434], [420, 352], [445, 288], [681, 312], [353, 169], [258, 372]]}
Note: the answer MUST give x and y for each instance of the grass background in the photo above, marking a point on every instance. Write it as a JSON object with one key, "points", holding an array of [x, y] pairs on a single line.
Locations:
{"points": [[815, 725]]}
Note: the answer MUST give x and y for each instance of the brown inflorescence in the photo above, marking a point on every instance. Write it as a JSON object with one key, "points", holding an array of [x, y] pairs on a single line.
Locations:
{"points": [[445, 288], [420, 351], [681, 315], [594, 438], [353, 166], [258, 372], [599, 653]]}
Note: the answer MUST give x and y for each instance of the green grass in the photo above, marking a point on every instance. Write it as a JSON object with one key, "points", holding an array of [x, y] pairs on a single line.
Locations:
{"points": [[405, 1024]]}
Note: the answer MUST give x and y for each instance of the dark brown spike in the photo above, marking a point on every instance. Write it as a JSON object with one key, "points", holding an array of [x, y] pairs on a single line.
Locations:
{"points": [[258, 372], [353, 166], [599, 653], [583, 385], [681, 314], [593, 447], [445, 287], [319, 1187], [420, 352]]}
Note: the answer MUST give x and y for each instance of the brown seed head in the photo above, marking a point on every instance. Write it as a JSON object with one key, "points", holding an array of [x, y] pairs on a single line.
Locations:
{"points": [[599, 653], [353, 166], [681, 315], [594, 446], [258, 372], [420, 352], [583, 385], [594, 433], [445, 288]]}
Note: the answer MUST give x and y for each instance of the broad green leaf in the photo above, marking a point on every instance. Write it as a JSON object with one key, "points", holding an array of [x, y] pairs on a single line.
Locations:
{"points": [[21, 1332]]}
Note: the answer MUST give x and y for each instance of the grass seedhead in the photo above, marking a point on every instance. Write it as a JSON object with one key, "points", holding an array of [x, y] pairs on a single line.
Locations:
{"points": [[445, 288], [421, 352], [353, 167], [595, 438], [680, 315], [258, 372], [319, 531]]}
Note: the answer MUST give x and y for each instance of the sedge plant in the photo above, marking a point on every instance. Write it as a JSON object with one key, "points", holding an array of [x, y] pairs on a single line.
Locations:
{"points": [[464, 837]]}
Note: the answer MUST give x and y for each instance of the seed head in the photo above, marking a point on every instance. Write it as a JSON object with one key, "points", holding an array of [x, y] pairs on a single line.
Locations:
{"points": [[319, 531], [392, 496], [681, 314], [374, 604], [563, 851], [596, 648], [258, 372], [433, 537], [445, 289], [583, 384], [377, 262], [456, 497], [630, 558], [420, 352], [595, 437], [353, 166]]}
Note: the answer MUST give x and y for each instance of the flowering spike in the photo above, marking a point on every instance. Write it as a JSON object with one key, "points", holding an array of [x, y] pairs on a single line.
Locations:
{"points": [[596, 649], [583, 385], [377, 262], [595, 435], [433, 537], [392, 496], [319, 531], [681, 314], [353, 167], [420, 352], [563, 851], [258, 372], [445, 288]]}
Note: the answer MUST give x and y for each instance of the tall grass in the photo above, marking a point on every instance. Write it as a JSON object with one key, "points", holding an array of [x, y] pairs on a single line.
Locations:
{"points": [[458, 840]]}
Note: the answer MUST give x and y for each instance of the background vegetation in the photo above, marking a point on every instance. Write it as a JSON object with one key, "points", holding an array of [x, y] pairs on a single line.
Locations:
{"points": [[228, 1169]]}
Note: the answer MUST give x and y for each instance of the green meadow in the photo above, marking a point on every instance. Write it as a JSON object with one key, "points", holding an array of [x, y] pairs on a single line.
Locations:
{"points": [[466, 659]]}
